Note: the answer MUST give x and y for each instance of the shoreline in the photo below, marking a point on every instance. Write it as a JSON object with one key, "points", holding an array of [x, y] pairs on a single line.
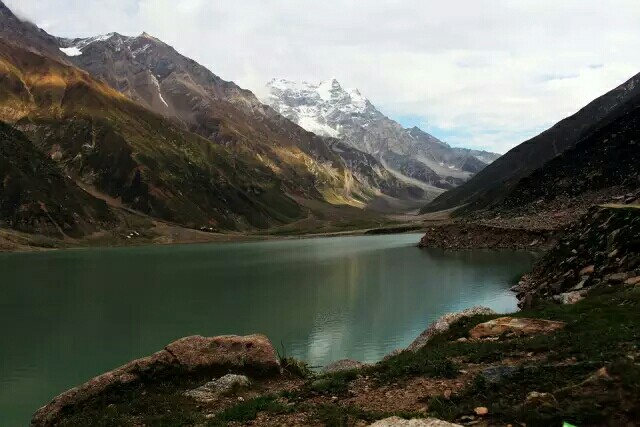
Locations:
{"points": [[206, 238]]}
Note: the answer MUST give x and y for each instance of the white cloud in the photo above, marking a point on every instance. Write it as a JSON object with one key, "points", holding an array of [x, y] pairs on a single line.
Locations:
{"points": [[483, 73]]}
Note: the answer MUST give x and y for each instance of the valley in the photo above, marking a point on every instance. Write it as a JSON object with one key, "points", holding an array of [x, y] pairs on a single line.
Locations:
{"points": [[152, 207]]}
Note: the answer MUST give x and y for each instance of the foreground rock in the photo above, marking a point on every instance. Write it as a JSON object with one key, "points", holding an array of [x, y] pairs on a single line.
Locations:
{"points": [[601, 249], [425, 422], [514, 326], [228, 384], [251, 354], [443, 323]]}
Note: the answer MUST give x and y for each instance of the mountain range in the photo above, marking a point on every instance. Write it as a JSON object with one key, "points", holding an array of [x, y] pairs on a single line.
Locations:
{"points": [[412, 155], [97, 129]]}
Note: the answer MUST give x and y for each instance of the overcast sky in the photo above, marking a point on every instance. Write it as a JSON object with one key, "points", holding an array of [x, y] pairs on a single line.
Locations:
{"points": [[478, 73]]}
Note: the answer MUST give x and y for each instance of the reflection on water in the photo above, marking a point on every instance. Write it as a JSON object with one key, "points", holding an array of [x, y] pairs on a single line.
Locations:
{"points": [[71, 315]]}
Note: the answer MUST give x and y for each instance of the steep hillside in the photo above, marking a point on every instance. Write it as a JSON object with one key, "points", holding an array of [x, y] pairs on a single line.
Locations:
{"points": [[329, 109], [495, 182], [35, 197], [26, 34], [102, 138], [605, 163]]}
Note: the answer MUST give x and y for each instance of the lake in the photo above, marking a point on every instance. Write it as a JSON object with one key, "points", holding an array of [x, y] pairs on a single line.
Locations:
{"points": [[67, 316]]}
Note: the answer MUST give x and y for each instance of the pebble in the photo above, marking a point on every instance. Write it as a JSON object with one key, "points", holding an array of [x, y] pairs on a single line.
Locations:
{"points": [[481, 410]]}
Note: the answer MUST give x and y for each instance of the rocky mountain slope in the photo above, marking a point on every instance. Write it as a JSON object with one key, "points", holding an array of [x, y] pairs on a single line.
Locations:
{"points": [[154, 74], [330, 110], [490, 186], [604, 164]]}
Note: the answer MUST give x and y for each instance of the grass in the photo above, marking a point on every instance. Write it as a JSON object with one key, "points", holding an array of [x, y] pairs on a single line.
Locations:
{"points": [[334, 384], [248, 410], [601, 331]]}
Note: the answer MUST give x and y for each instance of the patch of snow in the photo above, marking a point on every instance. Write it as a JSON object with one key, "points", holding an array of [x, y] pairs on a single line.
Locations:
{"points": [[141, 50], [71, 51], [156, 83], [483, 159], [325, 91], [313, 125]]}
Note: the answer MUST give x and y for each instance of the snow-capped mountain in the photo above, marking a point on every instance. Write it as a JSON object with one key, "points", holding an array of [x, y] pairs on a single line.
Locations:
{"points": [[328, 109]]}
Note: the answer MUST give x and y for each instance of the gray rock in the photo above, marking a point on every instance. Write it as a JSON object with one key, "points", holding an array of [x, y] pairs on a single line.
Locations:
{"points": [[343, 365], [496, 374], [220, 387], [442, 325], [417, 422]]}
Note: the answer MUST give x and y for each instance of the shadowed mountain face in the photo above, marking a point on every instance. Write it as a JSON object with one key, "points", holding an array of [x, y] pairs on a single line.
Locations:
{"points": [[490, 186], [608, 158], [157, 76], [329, 109], [35, 197]]}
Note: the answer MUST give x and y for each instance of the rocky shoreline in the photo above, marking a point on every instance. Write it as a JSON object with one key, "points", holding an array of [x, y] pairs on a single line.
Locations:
{"points": [[469, 235], [601, 249]]}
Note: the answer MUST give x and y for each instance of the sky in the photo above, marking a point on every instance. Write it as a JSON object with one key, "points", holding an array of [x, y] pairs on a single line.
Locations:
{"points": [[484, 74]]}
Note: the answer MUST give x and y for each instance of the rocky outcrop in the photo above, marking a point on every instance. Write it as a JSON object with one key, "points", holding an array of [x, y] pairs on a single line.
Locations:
{"points": [[252, 354], [417, 422], [514, 326], [222, 386], [460, 235], [443, 323], [601, 249]]}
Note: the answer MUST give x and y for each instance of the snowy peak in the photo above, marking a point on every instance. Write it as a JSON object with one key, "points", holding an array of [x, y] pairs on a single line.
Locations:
{"points": [[322, 107], [136, 44]]}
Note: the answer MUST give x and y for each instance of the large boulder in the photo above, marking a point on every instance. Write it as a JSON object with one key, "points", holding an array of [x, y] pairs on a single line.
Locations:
{"points": [[514, 325], [417, 422], [252, 354], [443, 323]]}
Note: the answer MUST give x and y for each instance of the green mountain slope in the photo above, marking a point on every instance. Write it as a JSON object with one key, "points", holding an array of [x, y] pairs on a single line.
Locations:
{"points": [[106, 140]]}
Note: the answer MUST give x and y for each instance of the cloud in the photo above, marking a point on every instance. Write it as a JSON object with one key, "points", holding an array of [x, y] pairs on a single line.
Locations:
{"points": [[483, 73]]}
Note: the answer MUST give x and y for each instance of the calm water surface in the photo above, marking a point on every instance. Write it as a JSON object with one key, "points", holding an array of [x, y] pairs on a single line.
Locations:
{"points": [[67, 316]]}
